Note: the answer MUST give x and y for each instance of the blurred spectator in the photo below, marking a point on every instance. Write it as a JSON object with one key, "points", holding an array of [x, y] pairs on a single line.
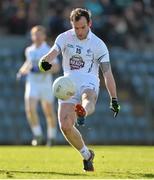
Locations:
{"points": [[94, 6], [17, 24], [55, 18], [33, 17], [56, 23], [122, 3], [126, 23], [135, 19], [107, 7], [114, 30]]}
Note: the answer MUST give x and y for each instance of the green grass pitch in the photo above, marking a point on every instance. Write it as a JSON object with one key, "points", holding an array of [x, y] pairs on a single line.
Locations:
{"points": [[64, 162]]}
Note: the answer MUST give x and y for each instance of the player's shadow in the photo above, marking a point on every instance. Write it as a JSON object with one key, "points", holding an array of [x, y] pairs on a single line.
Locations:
{"points": [[42, 172], [130, 174], [148, 175]]}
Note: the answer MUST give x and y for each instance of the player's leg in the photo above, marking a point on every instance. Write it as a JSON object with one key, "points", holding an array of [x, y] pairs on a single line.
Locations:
{"points": [[31, 102], [88, 101], [87, 106], [67, 118], [47, 102], [50, 115], [88, 94], [32, 116]]}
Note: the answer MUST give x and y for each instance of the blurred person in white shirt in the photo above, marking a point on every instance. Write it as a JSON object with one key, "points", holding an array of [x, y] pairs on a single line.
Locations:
{"points": [[39, 87]]}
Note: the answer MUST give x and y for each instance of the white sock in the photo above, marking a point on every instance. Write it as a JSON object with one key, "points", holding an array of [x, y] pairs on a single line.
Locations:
{"points": [[37, 131], [85, 152], [51, 133]]}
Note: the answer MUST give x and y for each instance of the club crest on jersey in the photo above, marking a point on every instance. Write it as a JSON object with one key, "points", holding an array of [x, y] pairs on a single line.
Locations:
{"points": [[76, 62], [89, 51]]}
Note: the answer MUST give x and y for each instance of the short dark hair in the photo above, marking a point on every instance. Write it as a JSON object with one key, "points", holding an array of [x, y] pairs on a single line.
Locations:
{"points": [[77, 13]]}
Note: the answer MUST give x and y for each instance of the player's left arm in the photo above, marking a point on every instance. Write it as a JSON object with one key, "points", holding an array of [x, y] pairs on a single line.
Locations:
{"points": [[25, 68], [111, 86], [109, 79]]}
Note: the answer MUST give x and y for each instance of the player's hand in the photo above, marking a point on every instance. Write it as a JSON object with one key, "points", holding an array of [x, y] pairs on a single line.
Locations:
{"points": [[20, 77], [44, 65], [114, 106]]}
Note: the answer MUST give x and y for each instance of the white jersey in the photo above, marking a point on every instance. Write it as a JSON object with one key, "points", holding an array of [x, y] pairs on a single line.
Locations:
{"points": [[34, 54], [38, 85], [81, 56]]}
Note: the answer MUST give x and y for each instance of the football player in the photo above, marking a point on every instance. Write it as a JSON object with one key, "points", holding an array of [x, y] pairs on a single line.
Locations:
{"points": [[83, 53], [38, 87]]}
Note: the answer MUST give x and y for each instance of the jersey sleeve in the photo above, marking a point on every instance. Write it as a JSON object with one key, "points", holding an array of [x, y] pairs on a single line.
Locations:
{"points": [[102, 53], [59, 44]]}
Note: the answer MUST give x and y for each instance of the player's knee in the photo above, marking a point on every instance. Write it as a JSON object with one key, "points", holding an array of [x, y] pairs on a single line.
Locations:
{"points": [[47, 108], [66, 125], [66, 129], [30, 111], [48, 113], [89, 96]]}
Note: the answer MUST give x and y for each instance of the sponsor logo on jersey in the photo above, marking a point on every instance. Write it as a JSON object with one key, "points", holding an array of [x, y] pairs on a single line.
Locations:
{"points": [[70, 46], [76, 62]]}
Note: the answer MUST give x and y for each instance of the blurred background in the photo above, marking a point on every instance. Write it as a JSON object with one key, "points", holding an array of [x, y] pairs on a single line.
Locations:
{"points": [[126, 26]]}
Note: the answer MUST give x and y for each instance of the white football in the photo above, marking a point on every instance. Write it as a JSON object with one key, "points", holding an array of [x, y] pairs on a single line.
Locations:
{"points": [[63, 88]]}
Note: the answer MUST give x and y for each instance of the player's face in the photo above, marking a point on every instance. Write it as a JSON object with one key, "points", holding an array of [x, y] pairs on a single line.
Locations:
{"points": [[81, 27], [38, 37]]}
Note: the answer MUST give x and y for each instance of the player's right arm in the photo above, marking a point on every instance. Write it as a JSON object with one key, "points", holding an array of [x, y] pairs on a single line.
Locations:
{"points": [[45, 61], [25, 68], [57, 48], [27, 65]]}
